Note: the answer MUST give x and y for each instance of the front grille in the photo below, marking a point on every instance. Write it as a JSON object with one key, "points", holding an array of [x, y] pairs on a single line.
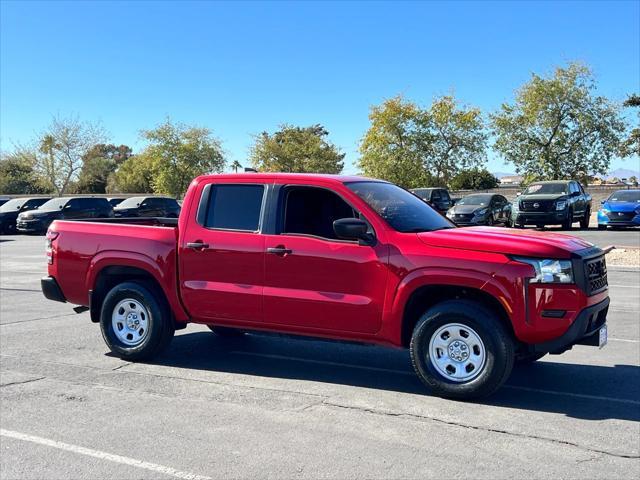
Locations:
{"points": [[621, 216], [542, 205], [596, 275], [462, 217]]}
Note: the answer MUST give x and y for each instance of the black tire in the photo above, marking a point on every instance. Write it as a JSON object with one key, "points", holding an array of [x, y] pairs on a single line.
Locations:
{"points": [[527, 358], [602, 227], [160, 321], [498, 345], [568, 224], [584, 221], [226, 331]]}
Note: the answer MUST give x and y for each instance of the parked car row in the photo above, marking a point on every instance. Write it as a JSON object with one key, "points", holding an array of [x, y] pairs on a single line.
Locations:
{"points": [[34, 215], [562, 202]]}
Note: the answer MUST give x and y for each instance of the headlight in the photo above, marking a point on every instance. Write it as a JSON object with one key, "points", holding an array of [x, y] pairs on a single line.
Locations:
{"points": [[549, 271], [561, 205], [450, 214], [481, 212], [605, 210]]}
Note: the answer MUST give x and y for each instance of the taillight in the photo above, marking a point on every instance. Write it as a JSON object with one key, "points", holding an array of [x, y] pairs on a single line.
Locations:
{"points": [[51, 236]]}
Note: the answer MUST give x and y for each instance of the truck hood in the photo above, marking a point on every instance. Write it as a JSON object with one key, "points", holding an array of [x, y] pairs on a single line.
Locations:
{"points": [[544, 196], [509, 242]]}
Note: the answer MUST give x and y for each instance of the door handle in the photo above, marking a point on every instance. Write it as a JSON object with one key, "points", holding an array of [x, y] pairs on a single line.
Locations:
{"points": [[282, 251], [197, 245]]}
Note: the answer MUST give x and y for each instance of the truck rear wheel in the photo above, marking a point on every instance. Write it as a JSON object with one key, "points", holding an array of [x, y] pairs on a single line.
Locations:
{"points": [[461, 350], [136, 321]]}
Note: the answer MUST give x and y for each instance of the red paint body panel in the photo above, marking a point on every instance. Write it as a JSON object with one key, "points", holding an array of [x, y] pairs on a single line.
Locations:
{"points": [[334, 289]]}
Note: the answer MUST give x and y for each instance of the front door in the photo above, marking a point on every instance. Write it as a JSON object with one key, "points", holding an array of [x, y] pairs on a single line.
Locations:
{"points": [[313, 280], [222, 255]]}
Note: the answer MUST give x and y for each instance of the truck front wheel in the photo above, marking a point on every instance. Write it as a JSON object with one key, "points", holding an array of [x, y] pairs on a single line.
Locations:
{"points": [[136, 321], [461, 350]]}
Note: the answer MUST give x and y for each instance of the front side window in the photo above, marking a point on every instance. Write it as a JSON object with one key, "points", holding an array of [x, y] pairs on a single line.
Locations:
{"points": [[235, 207], [312, 211], [403, 211]]}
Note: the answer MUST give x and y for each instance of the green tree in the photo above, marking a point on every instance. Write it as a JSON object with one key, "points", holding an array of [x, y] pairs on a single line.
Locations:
{"points": [[18, 176], [395, 147], [99, 163], [474, 179], [179, 153], [135, 175], [235, 166], [458, 138], [417, 147], [631, 146], [60, 150], [296, 150], [558, 128]]}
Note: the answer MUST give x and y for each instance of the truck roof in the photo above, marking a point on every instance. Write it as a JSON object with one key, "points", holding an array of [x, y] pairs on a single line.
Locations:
{"points": [[293, 176]]}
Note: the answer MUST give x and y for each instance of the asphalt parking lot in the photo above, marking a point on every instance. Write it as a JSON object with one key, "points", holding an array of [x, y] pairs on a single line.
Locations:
{"points": [[272, 407]]}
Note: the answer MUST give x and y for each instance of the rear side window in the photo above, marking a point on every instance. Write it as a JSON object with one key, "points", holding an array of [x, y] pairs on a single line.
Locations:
{"points": [[235, 207]]}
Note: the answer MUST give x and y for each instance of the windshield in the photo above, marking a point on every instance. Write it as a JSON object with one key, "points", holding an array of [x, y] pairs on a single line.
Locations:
{"points": [[12, 205], [402, 210], [54, 204], [481, 200], [544, 188], [621, 196], [132, 202]]}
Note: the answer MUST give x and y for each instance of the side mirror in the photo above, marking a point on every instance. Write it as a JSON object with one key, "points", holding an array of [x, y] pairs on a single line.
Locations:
{"points": [[518, 194], [602, 202], [575, 194], [353, 229]]}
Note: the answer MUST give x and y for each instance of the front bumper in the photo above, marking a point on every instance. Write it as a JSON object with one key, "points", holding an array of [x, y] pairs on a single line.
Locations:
{"points": [[582, 331], [612, 221], [52, 290], [539, 218], [32, 226], [465, 222]]}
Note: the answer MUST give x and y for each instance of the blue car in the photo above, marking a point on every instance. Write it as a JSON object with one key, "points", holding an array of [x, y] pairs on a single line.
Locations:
{"points": [[621, 209]]}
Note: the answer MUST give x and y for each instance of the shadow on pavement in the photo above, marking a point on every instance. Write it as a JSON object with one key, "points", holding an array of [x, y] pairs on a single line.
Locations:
{"points": [[582, 391]]}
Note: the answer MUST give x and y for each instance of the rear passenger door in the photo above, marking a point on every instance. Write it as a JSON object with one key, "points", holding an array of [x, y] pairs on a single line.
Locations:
{"points": [[222, 254]]}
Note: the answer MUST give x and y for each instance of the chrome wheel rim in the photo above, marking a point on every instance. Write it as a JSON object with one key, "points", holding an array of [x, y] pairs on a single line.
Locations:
{"points": [[130, 322], [457, 352]]}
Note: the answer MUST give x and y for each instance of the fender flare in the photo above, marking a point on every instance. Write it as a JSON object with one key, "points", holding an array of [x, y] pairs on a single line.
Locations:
{"points": [[120, 258], [446, 277]]}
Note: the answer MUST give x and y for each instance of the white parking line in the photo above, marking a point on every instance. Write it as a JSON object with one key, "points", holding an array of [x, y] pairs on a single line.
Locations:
{"points": [[624, 286], [576, 395], [411, 374], [102, 455], [624, 340]]}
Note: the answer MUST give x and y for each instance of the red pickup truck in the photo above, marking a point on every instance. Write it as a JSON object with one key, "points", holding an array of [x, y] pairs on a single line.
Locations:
{"points": [[345, 258]]}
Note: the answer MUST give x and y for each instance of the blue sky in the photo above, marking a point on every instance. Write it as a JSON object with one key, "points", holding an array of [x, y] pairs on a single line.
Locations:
{"points": [[241, 68]]}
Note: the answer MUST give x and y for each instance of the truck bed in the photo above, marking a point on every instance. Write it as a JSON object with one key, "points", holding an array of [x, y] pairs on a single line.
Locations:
{"points": [[82, 248]]}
